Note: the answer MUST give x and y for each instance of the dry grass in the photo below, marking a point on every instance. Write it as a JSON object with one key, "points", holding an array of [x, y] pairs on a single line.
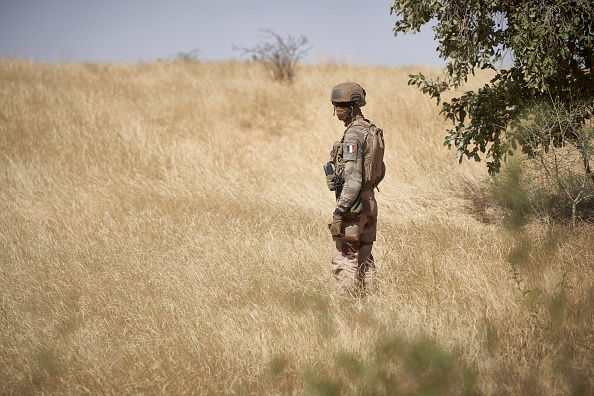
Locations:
{"points": [[163, 230]]}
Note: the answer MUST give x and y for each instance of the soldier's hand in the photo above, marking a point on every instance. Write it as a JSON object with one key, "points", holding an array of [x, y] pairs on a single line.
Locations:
{"points": [[330, 182], [336, 225]]}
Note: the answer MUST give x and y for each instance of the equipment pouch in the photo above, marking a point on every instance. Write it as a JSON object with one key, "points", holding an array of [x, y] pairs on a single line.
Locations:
{"points": [[351, 229], [334, 153]]}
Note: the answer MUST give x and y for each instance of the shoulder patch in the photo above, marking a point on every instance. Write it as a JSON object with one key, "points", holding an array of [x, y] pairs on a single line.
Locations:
{"points": [[349, 150]]}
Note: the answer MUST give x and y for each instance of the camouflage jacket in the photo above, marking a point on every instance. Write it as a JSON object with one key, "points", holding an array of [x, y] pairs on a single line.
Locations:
{"points": [[347, 157]]}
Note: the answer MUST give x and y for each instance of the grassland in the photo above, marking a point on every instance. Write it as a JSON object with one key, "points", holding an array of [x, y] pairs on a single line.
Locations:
{"points": [[163, 231]]}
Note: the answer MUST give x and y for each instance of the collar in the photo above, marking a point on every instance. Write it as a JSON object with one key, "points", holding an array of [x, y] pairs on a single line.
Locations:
{"points": [[353, 120]]}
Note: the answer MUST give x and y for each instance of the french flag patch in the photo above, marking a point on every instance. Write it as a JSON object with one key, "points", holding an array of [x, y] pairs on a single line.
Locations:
{"points": [[350, 148]]}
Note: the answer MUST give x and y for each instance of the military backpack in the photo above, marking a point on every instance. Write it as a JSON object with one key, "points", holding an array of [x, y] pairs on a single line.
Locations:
{"points": [[374, 168]]}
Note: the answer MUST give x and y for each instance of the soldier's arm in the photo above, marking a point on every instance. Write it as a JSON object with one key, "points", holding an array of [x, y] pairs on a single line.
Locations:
{"points": [[352, 152]]}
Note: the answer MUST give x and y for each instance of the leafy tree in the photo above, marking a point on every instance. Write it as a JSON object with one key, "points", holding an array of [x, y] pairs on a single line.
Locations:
{"points": [[550, 45]]}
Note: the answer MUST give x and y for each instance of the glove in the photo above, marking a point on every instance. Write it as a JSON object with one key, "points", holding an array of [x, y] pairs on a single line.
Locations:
{"points": [[330, 182], [336, 225]]}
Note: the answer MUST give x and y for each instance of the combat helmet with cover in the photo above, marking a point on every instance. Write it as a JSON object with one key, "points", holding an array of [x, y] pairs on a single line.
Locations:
{"points": [[348, 92]]}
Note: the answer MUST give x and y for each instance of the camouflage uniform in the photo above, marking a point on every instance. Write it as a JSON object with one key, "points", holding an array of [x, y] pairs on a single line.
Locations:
{"points": [[352, 261]]}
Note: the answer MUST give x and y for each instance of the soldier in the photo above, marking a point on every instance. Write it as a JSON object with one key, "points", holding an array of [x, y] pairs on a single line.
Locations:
{"points": [[353, 224]]}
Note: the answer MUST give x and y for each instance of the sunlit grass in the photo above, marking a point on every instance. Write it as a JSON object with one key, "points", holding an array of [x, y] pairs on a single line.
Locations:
{"points": [[163, 229]]}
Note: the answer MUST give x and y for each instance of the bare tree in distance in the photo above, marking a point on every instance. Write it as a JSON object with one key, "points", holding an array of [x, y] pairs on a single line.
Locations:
{"points": [[279, 55], [190, 56]]}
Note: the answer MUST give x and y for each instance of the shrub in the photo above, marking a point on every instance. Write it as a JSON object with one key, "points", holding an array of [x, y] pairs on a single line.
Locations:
{"points": [[190, 56], [279, 55], [558, 140]]}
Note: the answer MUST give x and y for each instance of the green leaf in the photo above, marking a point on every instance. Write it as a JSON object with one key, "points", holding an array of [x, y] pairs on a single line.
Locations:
{"points": [[548, 41]]}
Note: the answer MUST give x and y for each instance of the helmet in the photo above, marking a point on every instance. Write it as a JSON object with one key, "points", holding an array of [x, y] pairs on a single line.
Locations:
{"points": [[348, 92]]}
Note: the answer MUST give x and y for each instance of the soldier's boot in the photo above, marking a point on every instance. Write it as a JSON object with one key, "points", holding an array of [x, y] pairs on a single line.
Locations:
{"points": [[366, 270]]}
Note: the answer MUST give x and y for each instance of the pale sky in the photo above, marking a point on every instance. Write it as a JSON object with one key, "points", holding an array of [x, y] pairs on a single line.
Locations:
{"points": [[143, 30]]}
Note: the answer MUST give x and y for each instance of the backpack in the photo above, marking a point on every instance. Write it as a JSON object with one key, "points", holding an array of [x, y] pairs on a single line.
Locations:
{"points": [[374, 168]]}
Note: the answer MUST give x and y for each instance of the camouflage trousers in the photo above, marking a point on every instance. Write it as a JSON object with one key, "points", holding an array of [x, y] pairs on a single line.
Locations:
{"points": [[352, 262]]}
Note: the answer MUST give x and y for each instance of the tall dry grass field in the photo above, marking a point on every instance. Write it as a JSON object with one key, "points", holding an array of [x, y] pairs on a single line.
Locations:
{"points": [[163, 229]]}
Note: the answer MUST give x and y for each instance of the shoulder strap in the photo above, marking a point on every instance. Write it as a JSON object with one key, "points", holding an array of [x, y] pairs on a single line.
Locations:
{"points": [[362, 122]]}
